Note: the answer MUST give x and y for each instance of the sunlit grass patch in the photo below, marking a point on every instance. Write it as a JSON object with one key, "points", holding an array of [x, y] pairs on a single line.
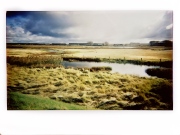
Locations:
{"points": [[18, 101]]}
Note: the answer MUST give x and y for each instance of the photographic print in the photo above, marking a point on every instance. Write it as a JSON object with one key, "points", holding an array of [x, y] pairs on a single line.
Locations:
{"points": [[89, 60]]}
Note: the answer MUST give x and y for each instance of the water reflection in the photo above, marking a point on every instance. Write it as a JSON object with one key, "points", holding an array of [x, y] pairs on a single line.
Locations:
{"points": [[120, 68]]}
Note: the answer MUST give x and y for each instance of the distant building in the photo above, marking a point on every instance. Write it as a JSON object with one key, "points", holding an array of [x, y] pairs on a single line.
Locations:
{"points": [[28, 43]]}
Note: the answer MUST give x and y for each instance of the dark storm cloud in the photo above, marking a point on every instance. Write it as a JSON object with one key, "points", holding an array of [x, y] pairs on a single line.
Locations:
{"points": [[40, 23], [73, 26], [161, 31], [12, 14]]}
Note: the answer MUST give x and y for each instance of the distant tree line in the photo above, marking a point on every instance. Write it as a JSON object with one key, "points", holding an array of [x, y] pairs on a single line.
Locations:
{"points": [[166, 43], [28, 43], [90, 43]]}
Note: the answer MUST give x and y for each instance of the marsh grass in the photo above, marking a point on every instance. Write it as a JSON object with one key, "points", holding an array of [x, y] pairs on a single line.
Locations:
{"points": [[95, 69], [38, 73], [165, 91], [35, 61], [101, 90], [160, 72], [82, 59], [18, 101]]}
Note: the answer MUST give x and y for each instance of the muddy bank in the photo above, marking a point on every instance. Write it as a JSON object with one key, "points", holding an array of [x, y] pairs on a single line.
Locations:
{"points": [[161, 63]]}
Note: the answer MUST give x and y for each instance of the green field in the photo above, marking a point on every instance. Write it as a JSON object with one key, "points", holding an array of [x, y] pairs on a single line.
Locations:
{"points": [[18, 101]]}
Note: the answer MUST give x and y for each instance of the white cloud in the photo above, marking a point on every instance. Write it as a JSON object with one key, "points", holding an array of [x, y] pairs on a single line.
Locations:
{"points": [[114, 26], [169, 26], [97, 26]]}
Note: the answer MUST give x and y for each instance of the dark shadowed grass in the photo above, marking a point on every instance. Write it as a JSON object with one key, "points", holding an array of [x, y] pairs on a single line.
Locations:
{"points": [[82, 59], [94, 69], [165, 92], [160, 72], [18, 101], [35, 61]]}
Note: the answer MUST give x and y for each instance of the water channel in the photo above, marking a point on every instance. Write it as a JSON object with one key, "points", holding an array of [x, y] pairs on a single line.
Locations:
{"points": [[116, 67]]}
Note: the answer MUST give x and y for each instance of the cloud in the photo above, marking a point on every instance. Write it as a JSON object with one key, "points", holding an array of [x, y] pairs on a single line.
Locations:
{"points": [[83, 26], [164, 29], [14, 14], [19, 35], [45, 24], [115, 26], [169, 26], [40, 23]]}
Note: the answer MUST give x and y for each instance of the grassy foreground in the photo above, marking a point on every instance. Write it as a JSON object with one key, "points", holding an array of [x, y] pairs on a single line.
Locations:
{"points": [[99, 90], [19, 101]]}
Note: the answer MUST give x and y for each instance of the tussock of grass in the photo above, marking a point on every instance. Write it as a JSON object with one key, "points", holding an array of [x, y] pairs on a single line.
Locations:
{"points": [[93, 69], [92, 88], [160, 72]]}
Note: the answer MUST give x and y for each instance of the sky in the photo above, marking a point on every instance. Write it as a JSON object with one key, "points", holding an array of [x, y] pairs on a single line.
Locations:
{"points": [[121, 26]]}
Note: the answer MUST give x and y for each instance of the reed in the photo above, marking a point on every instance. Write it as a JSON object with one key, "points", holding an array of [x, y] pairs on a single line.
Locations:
{"points": [[35, 61]]}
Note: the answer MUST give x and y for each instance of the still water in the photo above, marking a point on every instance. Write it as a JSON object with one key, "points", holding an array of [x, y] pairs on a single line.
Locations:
{"points": [[116, 67]]}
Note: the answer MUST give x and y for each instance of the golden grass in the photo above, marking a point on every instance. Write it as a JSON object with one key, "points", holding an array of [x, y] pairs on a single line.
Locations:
{"points": [[133, 54], [102, 90], [35, 61], [150, 53]]}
